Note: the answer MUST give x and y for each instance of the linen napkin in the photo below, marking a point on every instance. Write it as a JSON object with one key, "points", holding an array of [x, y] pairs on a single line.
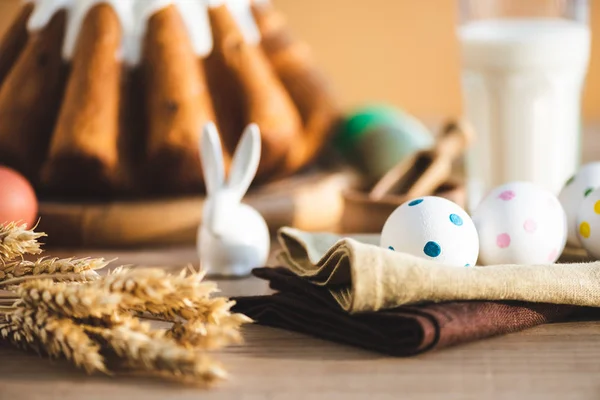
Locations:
{"points": [[404, 331], [362, 276]]}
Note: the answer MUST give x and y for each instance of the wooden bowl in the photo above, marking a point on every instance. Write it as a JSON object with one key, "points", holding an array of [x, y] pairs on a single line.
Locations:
{"points": [[575, 255], [364, 215]]}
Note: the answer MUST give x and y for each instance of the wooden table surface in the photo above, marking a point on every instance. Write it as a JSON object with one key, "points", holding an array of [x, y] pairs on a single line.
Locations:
{"points": [[557, 361], [549, 362]]}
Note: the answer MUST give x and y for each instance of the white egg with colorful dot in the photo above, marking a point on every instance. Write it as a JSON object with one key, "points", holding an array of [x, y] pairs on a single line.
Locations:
{"points": [[588, 224], [520, 223], [433, 228], [580, 185]]}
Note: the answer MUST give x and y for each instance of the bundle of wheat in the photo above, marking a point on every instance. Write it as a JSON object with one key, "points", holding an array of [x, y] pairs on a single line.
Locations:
{"points": [[62, 308]]}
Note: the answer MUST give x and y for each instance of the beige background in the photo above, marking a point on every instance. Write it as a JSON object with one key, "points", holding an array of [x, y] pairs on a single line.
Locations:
{"points": [[399, 51]]}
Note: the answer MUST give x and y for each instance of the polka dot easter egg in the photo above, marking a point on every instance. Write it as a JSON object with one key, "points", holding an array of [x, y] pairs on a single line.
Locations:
{"points": [[520, 223], [575, 190], [588, 224], [432, 228]]}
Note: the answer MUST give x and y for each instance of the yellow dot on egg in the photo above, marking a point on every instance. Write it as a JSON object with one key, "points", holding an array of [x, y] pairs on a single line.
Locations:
{"points": [[597, 207], [584, 229]]}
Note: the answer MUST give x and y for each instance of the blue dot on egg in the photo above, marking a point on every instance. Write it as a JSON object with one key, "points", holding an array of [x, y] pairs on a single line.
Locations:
{"points": [[432, 249], [456, 220], [391, 248], [467, 265], [415, 202]]}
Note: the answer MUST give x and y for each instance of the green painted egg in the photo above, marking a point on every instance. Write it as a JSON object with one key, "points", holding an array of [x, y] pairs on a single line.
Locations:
{"points": [[377, 137]]}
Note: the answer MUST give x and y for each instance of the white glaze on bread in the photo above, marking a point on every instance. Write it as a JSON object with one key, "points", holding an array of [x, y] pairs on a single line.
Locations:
{"points": [[134, 16]]}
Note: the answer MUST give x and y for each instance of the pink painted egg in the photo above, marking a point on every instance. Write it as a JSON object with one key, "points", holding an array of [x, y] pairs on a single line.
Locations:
{"points": [[520, 223]]}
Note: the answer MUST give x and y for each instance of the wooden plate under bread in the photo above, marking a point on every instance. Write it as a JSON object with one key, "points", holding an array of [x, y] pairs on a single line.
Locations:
{"points": [[311, 201]]}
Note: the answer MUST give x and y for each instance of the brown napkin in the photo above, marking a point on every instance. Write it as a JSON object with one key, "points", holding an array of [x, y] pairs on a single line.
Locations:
{"points": [[304, 307], [352, 291], [362, 276]]}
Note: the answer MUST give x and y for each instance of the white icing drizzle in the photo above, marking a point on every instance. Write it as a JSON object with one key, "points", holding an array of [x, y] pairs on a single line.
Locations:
{"points": [[242, 13], [195, 17], [79, 11], [134, 15], [142, 10], [43, 12]]}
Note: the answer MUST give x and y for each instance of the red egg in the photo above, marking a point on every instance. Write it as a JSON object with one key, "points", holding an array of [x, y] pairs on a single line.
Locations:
{"points": [[18, 202]]}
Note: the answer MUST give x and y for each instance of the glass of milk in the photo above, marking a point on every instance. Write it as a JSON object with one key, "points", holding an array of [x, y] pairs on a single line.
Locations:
{"points": [[523, 68]]}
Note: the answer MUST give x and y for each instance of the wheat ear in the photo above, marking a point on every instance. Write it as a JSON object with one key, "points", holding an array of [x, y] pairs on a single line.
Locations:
{"points": [[84, 267], [74, 301], [155, 286], [156, 354], [169, 297], [57, 337], [209, 336], [16, 241]]}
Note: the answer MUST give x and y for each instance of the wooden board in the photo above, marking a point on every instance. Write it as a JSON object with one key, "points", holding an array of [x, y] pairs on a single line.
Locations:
{"points": [[311, 201]]}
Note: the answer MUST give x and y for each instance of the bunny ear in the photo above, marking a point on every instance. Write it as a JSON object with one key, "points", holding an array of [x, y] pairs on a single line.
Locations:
{"points": [[245, 161], [211, 152]]}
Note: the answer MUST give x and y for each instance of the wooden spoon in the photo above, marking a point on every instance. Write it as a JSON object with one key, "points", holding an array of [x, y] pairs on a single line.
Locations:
{"points": [[422, 173]]}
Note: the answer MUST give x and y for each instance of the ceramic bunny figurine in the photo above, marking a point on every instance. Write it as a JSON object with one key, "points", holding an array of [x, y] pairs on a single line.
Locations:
{"points": [[233, 237]]}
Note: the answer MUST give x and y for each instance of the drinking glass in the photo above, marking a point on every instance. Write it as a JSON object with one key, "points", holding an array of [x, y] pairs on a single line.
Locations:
{"points": [[524, 64]]}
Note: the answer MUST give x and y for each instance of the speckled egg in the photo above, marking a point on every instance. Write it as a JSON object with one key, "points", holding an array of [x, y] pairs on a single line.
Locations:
{"points": [[588, 224], [580, 185], [520, 223], [432, 228]]}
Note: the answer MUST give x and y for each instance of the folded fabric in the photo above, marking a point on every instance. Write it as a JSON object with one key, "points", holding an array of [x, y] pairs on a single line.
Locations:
{"points": [[304, 307], [362, 276]]}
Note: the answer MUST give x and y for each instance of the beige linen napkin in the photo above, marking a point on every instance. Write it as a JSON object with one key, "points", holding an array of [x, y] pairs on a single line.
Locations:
{"points": [[362, 276]]}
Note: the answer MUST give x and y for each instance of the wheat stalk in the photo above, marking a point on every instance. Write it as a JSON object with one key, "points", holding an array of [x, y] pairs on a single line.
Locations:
{"points": [[71, 278], [74, 301], [57, 337], [155, 286], [154, 354], [122, 319], [169, 297], [199, 334], [210, 310], [16, 241], [84, 267], [152, 350]]}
